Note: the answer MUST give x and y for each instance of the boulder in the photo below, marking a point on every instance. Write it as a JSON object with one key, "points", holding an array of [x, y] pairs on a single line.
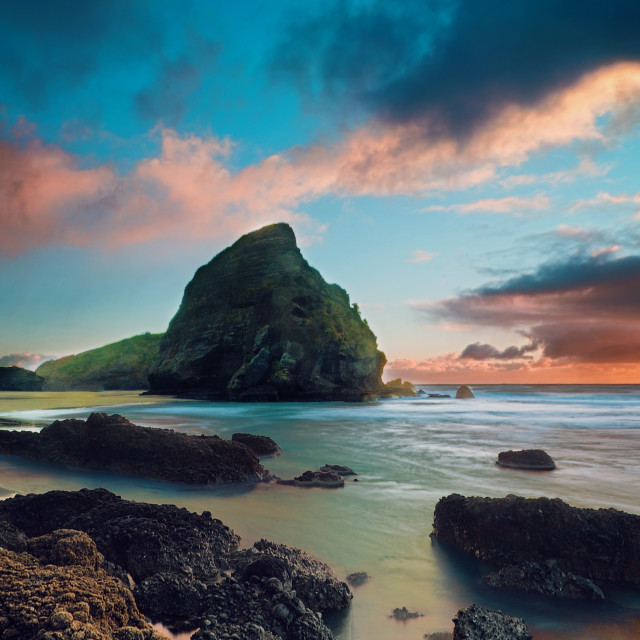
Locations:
{"points": [[398, 389], [464, 391], [326, 479], [545, 578], [358, 578], [339, 469], [18, 379], [529, 459], [478, 623], [260, 445], [402, 613], [257, 323], [602, 545], [112, 443]]}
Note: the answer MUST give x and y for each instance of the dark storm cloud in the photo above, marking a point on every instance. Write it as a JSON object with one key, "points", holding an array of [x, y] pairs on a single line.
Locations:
{"points": [[477, 351], [454, 62], [582, 310]]}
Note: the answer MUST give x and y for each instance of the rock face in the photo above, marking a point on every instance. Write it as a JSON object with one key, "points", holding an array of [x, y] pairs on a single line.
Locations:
{"points": [[258, 323], [260, 445], [529, 459], [478, 623], [18, 379], [112, 443], [464, 391], [545, 578], [59, 590], [601, 545], [397, 388], [268, 592], [120, 365]]}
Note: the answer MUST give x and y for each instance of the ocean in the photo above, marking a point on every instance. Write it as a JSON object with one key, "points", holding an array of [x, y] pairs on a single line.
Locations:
{"points": [[408, 453]]}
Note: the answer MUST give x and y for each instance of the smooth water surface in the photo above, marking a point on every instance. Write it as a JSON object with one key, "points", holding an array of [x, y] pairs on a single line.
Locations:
{"points": [[408, 453]]}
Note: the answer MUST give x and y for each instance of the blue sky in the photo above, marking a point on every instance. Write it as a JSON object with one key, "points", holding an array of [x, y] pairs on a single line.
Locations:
{"points": [[466, 171]]}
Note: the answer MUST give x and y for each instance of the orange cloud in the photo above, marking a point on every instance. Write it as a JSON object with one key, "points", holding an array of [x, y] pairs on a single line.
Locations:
{"points": [[189, 190]]}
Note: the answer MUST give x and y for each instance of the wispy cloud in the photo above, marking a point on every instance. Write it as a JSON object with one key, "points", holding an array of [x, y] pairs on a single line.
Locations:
{"points": [[510, 204], [586, 168], [420, 255]]}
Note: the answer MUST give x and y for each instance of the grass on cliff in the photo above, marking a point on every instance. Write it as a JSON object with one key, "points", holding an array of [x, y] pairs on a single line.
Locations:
{"points": [[104, 366]]}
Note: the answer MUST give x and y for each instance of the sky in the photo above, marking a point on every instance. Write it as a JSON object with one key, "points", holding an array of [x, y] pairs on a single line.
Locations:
{"points": [[468, 171]]}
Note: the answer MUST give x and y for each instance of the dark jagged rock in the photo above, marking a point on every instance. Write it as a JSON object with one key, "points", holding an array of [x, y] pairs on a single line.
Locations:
{"points": [[120, 365], [602, 545], [65, 594], [112, 443], [339, 469], [545, 578], [478, 623], [464, 391], [529, 459], [398, 389], [402, 613], [260, 445], [326, 479], [18, 379], [274, 592], [258, 323], [439, 395]]}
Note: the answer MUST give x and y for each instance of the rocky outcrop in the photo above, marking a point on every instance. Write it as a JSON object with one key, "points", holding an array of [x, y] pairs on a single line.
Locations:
{"points": [[341, 470], [602, 545], [464, 391], [176, 558], [59, 591], [398, 389], [322, 479], [545, 578], [478, 623], [528, 459], [120, 365], [18, 379], [258, 323], [260, 445], [112, 443]]}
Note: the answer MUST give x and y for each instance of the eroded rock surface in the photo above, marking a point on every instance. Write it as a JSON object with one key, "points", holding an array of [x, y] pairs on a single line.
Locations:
{"points": [[464, 391], [258, 323], [478, 623], [112, 443], [602, 545], [260, 445], [528, 459]]}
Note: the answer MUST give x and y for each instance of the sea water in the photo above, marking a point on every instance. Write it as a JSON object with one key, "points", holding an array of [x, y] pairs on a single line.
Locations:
{"points": [[408, 453]]}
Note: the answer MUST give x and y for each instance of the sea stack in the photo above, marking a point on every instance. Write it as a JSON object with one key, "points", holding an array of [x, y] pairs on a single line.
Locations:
{"points": [[258, 323]]}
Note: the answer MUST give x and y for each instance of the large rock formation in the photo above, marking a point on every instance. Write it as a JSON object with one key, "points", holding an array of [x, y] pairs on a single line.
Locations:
{"points": [[602, 545], [120, 365], [17, 379], [268, 592], [258, 323], [112, 443]]}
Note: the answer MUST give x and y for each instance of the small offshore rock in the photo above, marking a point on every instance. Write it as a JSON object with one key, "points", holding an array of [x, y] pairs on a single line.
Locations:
{"points": [[464, 391], [545, 578], [324, 479], [439, 395], [398, 389], [260, 445], [478, 623], [357, 578], [402, 613], [529, 459], [339, 469]]}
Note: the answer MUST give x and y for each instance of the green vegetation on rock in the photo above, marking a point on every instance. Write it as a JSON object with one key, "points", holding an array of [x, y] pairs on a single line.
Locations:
{"points": [[120, 365], [18, 379]]}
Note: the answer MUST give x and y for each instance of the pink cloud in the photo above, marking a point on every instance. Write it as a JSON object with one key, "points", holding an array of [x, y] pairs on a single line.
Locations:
{"points": [[420, 255], [189, 189], [510, 204]]}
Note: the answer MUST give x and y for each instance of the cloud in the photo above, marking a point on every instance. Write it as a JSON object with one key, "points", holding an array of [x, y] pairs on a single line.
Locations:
{"points": [[24, 360], [455, 63], [510, 204], [586, 309], [477, 351], [189, 188], [604, 199], [419, 255], [586, 168]]}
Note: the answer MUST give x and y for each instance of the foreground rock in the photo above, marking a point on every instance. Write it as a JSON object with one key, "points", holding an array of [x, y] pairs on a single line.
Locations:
{"points": [[260, 445], [176, 558], [59, 590], [545, 578], [18, 379], [258, 323], [478, 623], [464, 391], [529, 459], [602, 545], [120, 365], [112, 443]]}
